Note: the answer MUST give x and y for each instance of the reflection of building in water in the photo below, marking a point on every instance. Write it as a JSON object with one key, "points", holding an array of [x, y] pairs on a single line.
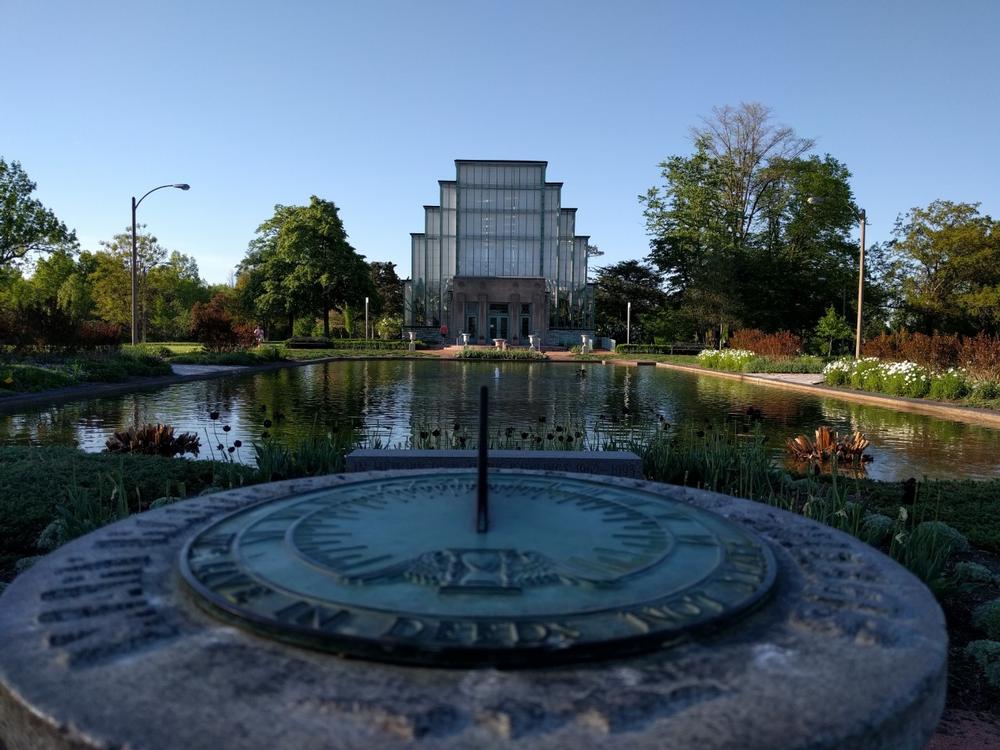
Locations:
{"points": [[499, 258]]}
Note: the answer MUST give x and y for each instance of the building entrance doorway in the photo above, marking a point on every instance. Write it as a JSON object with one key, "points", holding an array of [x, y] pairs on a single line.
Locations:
{"points": [[499, 322]]}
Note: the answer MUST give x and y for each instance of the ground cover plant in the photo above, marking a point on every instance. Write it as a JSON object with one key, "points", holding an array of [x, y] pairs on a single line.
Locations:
{"points": [[40, 370]]}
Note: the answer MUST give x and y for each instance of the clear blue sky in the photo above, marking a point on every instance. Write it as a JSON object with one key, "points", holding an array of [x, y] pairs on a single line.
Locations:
{"points": [[369, 103]]}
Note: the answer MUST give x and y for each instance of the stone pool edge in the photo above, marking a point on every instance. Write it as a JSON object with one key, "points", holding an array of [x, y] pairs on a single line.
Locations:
{"points": [[929, 407]]}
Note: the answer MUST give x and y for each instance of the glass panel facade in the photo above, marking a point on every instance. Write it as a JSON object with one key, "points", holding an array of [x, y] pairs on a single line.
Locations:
{"points": [[499, 219]]}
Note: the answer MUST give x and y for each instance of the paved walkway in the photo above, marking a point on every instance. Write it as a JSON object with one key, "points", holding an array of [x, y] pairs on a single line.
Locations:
{"points": [[802, 378], [186, 370]]}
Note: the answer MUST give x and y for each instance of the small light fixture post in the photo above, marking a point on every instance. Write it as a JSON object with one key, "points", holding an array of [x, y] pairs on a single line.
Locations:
{"points": [[628, 324], [135, 258], [862, 218], [366, 318]]}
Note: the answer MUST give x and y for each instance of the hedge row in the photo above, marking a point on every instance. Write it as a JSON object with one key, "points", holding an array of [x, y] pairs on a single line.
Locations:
{"points": [[682, 348]]}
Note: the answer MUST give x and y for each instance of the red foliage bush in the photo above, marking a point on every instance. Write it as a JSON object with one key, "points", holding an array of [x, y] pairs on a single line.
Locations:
{"points": [[780, 344], [213, 327], [94, 333], [938, 351], [981, 356], [43, 328]]}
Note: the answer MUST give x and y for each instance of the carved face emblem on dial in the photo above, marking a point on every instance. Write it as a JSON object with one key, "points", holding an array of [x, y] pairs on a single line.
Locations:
{"points": [[394, 569]]}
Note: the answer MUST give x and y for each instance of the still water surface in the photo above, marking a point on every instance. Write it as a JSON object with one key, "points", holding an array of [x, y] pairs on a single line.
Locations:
{"points": [[394, 400]]}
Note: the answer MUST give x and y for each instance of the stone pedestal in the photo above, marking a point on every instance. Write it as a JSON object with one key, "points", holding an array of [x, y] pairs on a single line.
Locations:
{"points": [[101, 646]]}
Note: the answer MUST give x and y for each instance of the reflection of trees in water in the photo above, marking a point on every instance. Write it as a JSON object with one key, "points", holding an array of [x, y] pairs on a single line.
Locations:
{"points": [[397, 398]]}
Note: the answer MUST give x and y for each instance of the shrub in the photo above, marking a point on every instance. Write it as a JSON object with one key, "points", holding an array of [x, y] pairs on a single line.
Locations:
{"points": [[389, 327], [937, 351], [732, 360], [676, 348], [987, 656], [30, 378], [94, 333], [981, 357], [940, 533], [529, 354], [988, 390], [793, 364], [780, 344], [153, 440], [970, 572], [213, 327], [986, 617], [925, 551], [870, 374], [875, 529], [318, 342], [950, 385], [900, 379]]}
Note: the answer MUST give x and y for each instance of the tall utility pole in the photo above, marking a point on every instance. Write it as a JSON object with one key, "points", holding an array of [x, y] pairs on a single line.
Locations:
{"points": [[628, 324], [861, 284]]}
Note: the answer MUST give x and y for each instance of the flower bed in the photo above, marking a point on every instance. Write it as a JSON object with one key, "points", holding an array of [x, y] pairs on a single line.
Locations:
{"points": [[733, 360], [909, 379]]}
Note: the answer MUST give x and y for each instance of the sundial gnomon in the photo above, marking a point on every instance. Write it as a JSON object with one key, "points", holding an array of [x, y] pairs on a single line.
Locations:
{"points": [[400, 568]]}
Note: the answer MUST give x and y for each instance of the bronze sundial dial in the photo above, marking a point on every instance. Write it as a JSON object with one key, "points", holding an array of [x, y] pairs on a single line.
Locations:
{"points": [[395, 569], [546, 568]]}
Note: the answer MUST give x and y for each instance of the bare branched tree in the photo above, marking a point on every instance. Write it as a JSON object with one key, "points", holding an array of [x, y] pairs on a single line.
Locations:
{"points": [[751, 150]]}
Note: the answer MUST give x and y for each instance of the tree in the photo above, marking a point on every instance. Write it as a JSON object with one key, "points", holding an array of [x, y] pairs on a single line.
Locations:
{"points": [[617, 285], [111, 279], [300, 263], [50, 273], [388, 288], [174, 288], [947, 268], [26, 226], [733, 234], [833, 328]]}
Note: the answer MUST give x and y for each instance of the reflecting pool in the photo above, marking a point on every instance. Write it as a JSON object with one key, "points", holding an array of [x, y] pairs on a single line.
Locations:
{"points": [[394, 400]]}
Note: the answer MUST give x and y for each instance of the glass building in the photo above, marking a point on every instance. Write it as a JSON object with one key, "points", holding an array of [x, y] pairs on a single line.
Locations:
{"points": [[499, 257]]}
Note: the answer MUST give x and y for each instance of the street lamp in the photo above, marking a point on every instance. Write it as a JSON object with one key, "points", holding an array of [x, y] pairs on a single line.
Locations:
{"points": [[135, 255], [366, 318], [628, 324], [860, 215]]}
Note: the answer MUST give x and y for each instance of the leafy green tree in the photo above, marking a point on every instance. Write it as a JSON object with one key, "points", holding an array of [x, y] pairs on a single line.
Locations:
{"points": [[947, 268], [388, 288], [617, 285], [301, 264], [74, 297], [174, 288], [50, 273], [26, 226], [111, 278], [733, 234], [833, 329]]}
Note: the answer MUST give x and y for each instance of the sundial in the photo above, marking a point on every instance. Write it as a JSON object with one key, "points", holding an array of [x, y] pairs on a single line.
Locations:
{"points": [[467, 569]]}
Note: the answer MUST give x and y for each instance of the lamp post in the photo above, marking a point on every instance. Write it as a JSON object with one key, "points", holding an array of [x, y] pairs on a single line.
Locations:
{"points": [[366, 318], [135, 262], [862, 218], [628, 324]]}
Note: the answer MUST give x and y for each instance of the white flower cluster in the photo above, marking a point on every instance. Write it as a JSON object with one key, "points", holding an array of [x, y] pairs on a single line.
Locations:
{"points": [[727, 359]]}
